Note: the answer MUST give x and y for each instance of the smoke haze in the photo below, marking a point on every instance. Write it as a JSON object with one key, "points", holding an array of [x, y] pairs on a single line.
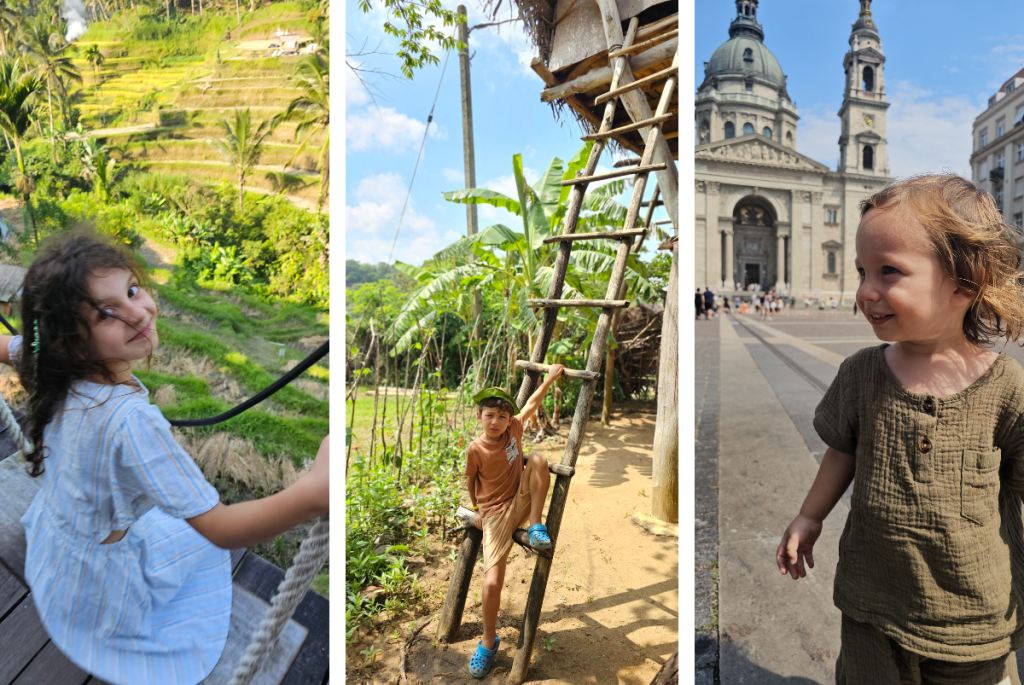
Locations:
{"points": [[74, 12]]}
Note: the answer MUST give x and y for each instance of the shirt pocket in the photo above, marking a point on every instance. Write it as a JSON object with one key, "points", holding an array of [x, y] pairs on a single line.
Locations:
{"points": [[979, 485]]}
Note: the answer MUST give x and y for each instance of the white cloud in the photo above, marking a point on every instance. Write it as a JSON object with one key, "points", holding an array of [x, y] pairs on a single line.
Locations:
{"points": [[817, 134], [383, 129], [928, 132], [371, 222], [355, 92]]}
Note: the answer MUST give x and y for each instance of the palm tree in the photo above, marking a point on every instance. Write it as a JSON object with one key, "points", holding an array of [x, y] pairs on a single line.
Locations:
{"points": [[312, 110], [242, 146], [16, 87], [46, 47], [95, 58], [9, 17]]}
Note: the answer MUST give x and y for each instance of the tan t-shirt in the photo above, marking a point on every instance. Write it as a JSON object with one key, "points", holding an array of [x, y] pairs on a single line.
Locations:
{"points": [[499, 468], [933, 549]]}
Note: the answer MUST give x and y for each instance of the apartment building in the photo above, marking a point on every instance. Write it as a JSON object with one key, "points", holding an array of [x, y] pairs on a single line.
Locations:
{"points": [[997, 161]]}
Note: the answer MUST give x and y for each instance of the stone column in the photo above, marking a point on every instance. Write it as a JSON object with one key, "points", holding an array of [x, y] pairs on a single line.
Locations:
{"points": [[817, 233], [780, 262], [713, 249], [1008, 183], [730, 256]]}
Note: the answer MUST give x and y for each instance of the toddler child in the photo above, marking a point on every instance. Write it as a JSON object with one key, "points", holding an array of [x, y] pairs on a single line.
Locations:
{"points": [[127, 544], [507, 487], [930, 580]]}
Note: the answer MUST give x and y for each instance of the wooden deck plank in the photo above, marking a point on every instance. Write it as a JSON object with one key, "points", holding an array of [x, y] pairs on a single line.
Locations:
{"points": [[247, 610], [50, 666], [310, 666], [12, 592], [22, 636]]}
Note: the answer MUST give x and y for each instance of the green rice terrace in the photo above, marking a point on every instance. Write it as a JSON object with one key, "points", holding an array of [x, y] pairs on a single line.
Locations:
{"points": [[195, 134]]}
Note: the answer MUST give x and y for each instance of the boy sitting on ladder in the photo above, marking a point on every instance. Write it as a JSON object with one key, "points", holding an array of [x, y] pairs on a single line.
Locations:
{"points": [[506, 487]]}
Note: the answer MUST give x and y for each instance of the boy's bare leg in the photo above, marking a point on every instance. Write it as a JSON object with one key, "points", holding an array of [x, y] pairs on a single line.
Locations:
{"points": [[494, 581], [539, 480]]}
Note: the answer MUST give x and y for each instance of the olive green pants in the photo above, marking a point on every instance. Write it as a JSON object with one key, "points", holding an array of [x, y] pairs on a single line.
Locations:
{"points": [[870, 657]]}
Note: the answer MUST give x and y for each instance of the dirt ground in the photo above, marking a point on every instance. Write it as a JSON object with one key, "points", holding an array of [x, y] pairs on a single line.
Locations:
{"points": [[612, 598]]}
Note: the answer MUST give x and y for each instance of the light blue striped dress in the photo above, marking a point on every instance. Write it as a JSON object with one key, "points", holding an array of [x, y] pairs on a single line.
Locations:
{"points": [[155, 606]]}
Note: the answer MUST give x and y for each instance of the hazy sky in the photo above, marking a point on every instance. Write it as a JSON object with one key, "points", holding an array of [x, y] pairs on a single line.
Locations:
{"points": [[383, 139], [944, 58]]}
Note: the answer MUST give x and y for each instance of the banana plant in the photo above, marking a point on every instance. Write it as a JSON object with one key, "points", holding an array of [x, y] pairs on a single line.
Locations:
{"points": [[518, 265]]}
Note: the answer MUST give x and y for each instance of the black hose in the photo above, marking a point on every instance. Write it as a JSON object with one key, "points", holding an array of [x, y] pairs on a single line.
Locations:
{"points": [[313, 358], [262, 395]]}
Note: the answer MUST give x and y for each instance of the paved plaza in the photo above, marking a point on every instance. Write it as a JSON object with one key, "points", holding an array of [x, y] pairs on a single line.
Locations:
{"points": [[764, 380]]}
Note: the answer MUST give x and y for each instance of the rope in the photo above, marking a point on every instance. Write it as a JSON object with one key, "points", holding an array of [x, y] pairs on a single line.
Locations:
{"points": [[289, 594]]}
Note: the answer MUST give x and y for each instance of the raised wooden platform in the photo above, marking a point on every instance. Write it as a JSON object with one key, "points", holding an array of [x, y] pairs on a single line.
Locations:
{"points": [[29, 657]]}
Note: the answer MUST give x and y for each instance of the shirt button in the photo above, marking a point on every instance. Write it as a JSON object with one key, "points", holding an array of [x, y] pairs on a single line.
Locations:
{"points": [[925, 445], [929, 405]]}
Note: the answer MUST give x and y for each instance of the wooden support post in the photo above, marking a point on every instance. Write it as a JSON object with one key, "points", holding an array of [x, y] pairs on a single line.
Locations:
{"points": [[665, 470], [450, 620]]}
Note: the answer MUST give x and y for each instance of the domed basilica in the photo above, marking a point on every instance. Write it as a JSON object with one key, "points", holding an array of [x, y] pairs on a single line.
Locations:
{"points": [[767, 214]]}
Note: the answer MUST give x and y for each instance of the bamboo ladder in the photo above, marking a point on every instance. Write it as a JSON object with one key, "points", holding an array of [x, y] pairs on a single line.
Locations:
{"points": [[458, 588]]}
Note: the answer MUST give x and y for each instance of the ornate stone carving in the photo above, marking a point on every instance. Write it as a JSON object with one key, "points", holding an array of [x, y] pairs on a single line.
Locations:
{"points": [[801, 196], [816, 197], [713, 187], [700, 186], [755, 152]]}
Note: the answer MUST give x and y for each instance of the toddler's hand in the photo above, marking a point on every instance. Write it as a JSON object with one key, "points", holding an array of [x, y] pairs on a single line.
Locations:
{"points": [[555, 371], [797, 544], [478, 520], [320, 478]]}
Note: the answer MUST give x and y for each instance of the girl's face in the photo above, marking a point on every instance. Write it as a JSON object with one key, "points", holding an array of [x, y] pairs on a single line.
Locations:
{"points": [[124, 328], [904, 293]]}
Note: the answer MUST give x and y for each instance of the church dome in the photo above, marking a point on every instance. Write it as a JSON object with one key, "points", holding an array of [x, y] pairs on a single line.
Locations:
{"points": [[745, 55]]}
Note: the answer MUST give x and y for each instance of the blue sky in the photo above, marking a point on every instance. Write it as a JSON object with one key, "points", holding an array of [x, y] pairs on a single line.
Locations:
{"points": [[943, 61], [382, 140]]}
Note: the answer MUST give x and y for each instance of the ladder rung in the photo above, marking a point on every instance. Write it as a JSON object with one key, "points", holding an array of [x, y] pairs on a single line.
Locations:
{"points": [[607, 235], [568, 373], [636, 47], [659, 203], [523, 538], [631, 127], [639, 83], [562, 470], [616, 174], [632, 161], [612, 304]]}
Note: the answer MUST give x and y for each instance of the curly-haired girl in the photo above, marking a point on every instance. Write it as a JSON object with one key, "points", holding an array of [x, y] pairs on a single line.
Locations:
{"points": [[126, 541]]}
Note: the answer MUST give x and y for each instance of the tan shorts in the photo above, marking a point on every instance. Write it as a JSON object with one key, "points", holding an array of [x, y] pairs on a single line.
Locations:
{"points": [[498, 529], [870, 656]]}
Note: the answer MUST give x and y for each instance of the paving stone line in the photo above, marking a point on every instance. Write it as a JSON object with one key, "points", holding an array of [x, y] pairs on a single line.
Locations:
{"points": [[708, 399]]}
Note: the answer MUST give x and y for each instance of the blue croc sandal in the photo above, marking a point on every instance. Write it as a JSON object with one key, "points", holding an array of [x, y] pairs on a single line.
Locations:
{"points": [[482, 660], [539, 536]]}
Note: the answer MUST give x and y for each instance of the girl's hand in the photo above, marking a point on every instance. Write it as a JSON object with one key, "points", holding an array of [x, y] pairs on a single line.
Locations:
{"points": [[797, 544], [320, 480]]}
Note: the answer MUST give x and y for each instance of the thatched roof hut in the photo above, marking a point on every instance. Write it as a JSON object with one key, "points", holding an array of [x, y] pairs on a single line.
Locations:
{"points": [[574, 65]]}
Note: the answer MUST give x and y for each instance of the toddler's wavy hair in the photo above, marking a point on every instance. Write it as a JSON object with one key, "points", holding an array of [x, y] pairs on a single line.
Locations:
{"points": [[55, 297], [973, 244]]}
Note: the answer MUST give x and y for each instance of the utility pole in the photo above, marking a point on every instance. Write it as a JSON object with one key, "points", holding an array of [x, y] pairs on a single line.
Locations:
{"points": [[469, 155]]}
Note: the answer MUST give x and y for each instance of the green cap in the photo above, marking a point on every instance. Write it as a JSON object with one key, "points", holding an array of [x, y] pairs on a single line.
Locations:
{"points": [[495, 392]]}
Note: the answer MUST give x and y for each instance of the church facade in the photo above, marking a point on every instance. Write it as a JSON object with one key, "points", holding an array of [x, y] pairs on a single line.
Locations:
{"points": [[765, 213]]}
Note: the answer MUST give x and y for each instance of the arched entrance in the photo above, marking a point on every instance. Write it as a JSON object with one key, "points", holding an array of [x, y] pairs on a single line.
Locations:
{"points": [[754, 230]]}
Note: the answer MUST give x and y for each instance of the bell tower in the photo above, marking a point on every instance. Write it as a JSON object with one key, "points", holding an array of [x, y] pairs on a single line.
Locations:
{"points": [[862, 141]]}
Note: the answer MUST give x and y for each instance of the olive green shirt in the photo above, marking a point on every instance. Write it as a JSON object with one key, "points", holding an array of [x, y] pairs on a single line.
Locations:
{"points": [[933, 549]]}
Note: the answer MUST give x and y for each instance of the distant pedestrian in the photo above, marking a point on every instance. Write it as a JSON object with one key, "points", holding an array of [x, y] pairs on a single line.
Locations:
{"points": [[835, 305], [709, 302], [699, 303]]}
